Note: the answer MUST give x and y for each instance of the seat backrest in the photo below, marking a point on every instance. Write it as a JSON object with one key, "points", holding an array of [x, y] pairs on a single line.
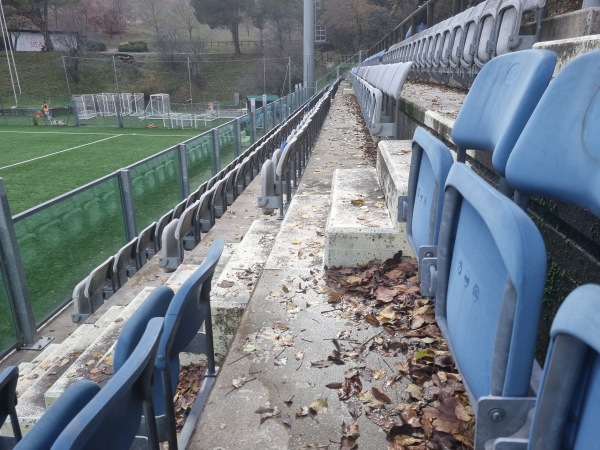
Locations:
{"points": [[8, 399], [187, 220], [567, 411], [155, 305], [188, 311], [500, 102], [145, 246], [111, 419], [125, 263], [490, 281], [556, 154], [430, 164], [57, 417], [100, 280]]}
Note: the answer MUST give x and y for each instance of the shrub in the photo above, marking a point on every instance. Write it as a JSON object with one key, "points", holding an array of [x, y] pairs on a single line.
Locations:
{"points": [[134, 46], [92, 45]]}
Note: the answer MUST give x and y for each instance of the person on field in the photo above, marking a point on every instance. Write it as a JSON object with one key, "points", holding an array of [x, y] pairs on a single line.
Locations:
{"points": [[46, 109]]}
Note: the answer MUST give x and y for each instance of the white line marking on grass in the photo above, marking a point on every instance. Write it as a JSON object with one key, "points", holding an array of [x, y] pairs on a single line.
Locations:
{"points": [[61, 151], [100, 134]]}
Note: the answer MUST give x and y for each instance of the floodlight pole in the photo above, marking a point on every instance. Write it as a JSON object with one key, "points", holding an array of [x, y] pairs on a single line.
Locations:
{"points": [[115, 70], [309, 43]]}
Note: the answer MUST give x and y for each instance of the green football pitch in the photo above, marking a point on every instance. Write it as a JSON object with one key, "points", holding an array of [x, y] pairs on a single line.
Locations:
{"points": [[40, 163]]}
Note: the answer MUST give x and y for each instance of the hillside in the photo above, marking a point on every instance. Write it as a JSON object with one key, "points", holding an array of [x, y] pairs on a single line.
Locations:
{"points": [[43, 76]]}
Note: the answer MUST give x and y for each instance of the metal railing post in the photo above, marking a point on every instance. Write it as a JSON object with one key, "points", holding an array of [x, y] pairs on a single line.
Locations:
{"points": [[216, 151], [14, 277], [185, 183], [128, 204], [253, 126], [238, 136]]}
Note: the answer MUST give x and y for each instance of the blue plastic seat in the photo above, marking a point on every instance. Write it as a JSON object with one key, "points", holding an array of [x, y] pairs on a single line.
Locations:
{"points": [[556, 155], [155, 305], [500, 102], [489, 278], [188, 310], [422, 207], [112, 417], [567, 410], [45, 431], [8, 400]]}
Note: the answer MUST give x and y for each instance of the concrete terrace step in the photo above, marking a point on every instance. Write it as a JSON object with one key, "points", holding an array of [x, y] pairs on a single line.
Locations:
{"points": [[393, 169], [91, 344], [55, 354], [233, 288], [359, 227]]}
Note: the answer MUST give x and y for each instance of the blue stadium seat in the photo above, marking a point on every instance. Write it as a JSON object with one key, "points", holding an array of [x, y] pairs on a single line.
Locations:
{"points": [[489, 278], [188, 311], [421, 209], [45, 431], [112, 417], [8, 400], [567, 410], [555, 156], [500, 103]]}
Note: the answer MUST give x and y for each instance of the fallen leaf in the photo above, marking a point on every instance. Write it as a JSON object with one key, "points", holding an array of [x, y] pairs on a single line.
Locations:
{"points": [[318, 406], [249, 348], [357, 202], [238, 382], [414, 391], [302, 412]]}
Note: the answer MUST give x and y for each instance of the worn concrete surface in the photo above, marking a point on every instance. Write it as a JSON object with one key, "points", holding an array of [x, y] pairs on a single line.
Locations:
{"points": [[289, 324]]}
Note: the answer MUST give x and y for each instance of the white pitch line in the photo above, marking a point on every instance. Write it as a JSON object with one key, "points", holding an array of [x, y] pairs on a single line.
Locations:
{"points": [[99, 134], [56, 153]]}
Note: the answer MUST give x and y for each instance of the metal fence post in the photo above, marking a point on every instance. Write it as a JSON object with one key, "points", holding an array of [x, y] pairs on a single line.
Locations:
{"points": [[128, 204], [216, 151], [238, 136], [185, 182], [14, 277], [253, 126]]}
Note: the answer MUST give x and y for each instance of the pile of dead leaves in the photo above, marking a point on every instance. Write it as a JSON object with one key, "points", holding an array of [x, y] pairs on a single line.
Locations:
{"points": [[432, 410], [190, 381]]}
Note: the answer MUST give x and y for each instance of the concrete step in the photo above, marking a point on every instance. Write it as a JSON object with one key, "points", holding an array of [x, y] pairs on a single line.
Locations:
{"points": [[393, 169], [233, 288], [359, 227], [567, 49], [84, 350], [57, 356]]}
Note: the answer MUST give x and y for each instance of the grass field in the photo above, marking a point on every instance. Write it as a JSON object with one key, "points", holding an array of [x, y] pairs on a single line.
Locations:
{"points": [[40, 163]]}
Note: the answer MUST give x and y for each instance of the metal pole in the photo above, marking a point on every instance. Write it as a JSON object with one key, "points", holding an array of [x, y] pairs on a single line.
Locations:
{"points": [[185, 182], [309, 43], [12, 56], [128, 204], [66, 77], [289, 74], [216, 151], [14, 277], [190, 81], [115, 69], [10, 71]]}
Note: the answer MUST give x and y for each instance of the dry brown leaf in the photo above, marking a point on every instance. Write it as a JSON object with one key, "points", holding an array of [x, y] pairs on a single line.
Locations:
{"points": [[319, 406]]}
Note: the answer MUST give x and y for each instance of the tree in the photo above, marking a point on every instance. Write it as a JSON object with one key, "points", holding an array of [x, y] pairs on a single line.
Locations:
{"points": [[353, 25], [222, 14], [184, 13], [153, 13]]}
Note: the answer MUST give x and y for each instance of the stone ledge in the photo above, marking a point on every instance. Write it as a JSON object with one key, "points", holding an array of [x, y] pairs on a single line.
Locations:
{"points": [[359, 228]]}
